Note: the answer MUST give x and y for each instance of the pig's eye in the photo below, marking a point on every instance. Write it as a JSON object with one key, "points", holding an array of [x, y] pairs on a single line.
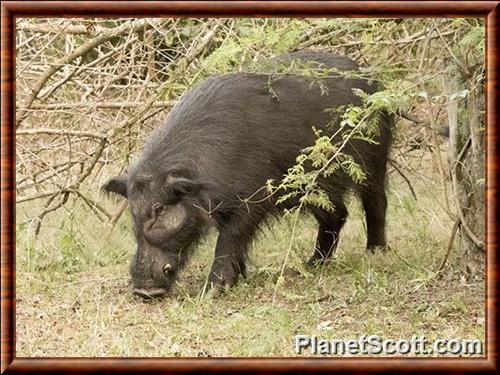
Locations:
{"points": [[158, 209], [166, 269]]}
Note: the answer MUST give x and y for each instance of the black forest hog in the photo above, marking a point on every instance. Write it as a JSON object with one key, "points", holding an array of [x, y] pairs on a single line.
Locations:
{"points": [[219, 145]]}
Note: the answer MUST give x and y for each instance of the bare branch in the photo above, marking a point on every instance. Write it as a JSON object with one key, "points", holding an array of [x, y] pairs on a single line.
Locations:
{"points": [[77, 133], [450, 246], [101, 105], [395, 166], [80, 51], [47, 28], [463, 221]]}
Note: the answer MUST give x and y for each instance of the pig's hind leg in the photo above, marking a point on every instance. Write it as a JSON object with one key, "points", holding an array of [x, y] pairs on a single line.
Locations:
{"points": [[330, 224]]}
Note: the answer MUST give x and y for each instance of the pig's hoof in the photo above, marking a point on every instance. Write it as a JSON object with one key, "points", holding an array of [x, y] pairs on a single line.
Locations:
{"points": [[211, 293], [316, 261], [375, 248], [224, 277], [213, 289]]}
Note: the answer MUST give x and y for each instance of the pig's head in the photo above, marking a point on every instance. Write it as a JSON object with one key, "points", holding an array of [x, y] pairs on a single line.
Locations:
{"points": [[166, 224]]}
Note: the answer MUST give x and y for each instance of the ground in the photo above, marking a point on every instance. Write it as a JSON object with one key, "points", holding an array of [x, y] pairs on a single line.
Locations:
{"points": [[74, 298]]}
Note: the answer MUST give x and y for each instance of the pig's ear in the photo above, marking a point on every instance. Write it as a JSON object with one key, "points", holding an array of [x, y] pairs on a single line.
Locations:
{"points": [[178, 187], [117, 185], [183, 182]]}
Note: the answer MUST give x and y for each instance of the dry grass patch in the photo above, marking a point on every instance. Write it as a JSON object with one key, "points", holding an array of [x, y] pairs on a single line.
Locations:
{"points": [[74, 299]]}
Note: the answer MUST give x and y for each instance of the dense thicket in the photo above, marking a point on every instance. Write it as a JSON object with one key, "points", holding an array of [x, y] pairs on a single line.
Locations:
{"points": [[89, 91]]}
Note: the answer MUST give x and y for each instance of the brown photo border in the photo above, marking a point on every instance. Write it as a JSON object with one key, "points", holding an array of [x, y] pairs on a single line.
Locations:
{"points": [[390, 9]]}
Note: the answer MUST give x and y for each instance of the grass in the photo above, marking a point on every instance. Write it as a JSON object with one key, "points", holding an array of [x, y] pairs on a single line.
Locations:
{"points": [[74, 298]]}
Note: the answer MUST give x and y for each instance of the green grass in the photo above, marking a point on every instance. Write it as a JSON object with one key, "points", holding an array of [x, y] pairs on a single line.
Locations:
{"points": [[74, 298]]}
